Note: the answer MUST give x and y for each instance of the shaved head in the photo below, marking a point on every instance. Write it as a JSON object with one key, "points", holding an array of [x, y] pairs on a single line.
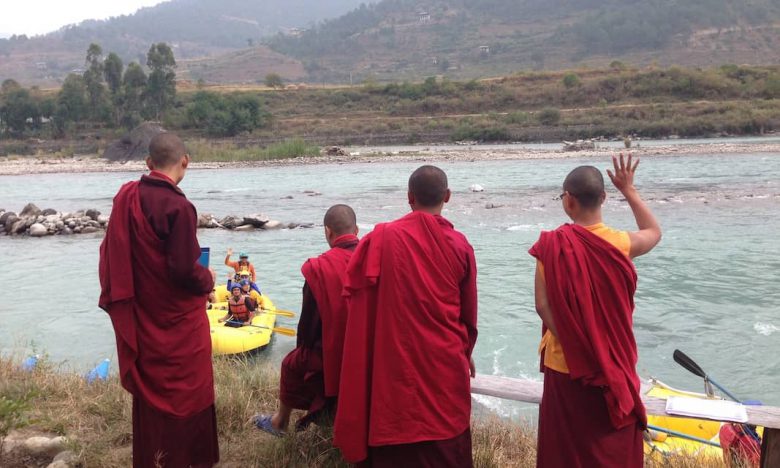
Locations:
{"points": [[166, 150], [428, 184], [341, 220], [586, 184]]}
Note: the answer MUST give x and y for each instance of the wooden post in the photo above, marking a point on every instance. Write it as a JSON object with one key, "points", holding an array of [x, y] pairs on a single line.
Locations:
{"points": [[770, 448]]}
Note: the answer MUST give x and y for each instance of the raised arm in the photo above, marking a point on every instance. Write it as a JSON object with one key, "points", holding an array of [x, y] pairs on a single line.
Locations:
{"points": [[540, 298], [649, 233], [227, 258]]}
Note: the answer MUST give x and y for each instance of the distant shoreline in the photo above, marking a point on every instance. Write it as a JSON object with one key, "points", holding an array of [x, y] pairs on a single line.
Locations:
{"points": [[24, 165]]}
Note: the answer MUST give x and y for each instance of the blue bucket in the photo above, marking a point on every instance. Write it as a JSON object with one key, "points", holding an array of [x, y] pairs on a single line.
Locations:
{"points": [[205, 252]]}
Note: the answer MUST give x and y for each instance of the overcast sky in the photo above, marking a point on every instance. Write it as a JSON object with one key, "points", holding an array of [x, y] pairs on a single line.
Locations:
{"points": [[41, 16]]}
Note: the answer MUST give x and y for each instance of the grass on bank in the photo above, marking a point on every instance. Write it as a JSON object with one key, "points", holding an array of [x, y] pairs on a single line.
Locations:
{"points": [[96, 419], [206, 151]]}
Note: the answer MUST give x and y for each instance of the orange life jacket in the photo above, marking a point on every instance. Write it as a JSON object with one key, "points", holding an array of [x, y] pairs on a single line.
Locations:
{"points": [[239, 310]]}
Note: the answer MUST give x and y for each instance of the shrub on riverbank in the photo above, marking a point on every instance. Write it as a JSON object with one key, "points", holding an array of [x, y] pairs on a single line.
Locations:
{"points": [[206, 151], [96, 418]]}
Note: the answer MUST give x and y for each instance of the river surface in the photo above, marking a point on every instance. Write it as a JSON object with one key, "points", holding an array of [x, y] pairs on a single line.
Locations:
{"points": [[711, 288]]}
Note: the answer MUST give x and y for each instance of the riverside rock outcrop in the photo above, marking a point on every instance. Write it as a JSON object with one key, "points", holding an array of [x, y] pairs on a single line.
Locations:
{"points": [[134, 145], [34, 222]]}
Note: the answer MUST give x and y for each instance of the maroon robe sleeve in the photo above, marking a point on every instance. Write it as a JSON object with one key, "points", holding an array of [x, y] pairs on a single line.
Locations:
{"points": [[310, 323]]}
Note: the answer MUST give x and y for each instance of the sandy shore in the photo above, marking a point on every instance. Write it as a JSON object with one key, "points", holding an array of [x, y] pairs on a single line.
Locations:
{"points": [[83, 164]]}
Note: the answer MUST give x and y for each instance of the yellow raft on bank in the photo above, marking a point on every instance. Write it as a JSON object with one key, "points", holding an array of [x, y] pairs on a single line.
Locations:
{"points": [[662, 444], [229, 340]]}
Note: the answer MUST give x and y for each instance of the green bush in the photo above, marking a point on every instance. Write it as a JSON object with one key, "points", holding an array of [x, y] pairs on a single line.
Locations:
{"points": [[220, 115], [571, 80], [469, 133], [549, 116]]}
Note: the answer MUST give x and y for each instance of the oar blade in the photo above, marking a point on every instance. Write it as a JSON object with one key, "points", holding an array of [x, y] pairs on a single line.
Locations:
{"points": [[283, 313], [688, 363], [285, 331]]}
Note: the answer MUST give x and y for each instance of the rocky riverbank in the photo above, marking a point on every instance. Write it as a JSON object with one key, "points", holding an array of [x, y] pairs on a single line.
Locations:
{"points": [[23, 165], [35, 222]]}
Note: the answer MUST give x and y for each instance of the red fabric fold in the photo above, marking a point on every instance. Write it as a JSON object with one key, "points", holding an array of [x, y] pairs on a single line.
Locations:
{"points": [[162, 332], [411, 326], [590, 289], [326, 276]]}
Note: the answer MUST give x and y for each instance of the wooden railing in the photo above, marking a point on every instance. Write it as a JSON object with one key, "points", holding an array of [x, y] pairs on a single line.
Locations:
{"points": [[530, 391]]}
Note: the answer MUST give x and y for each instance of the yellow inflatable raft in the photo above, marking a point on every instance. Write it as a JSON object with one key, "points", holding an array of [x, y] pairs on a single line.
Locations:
{"points": [[229, 340], [658, 444]]}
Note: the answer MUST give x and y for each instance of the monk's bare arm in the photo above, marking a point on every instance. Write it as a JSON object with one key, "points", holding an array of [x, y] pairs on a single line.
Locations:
{"points": [[542, 306], [649, 233], [468, 307]]}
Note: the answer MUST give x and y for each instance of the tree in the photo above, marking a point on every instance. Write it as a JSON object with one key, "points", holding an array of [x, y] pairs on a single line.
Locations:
{"points": [[72, 103], [273, 80], [571, 80], [17, 108], [93, 79], [133, 86], [161, 85], [112, 72], [549, 116], [220, 115]]}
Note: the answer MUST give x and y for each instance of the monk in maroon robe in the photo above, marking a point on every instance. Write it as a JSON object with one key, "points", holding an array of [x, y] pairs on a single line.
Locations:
{"points": [[405, 394], [310, 372], [155, 292], [591, 414]]}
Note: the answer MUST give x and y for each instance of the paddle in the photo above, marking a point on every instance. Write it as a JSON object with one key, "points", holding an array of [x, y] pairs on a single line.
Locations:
{"points": [[683, 436], [283, 313], [280, 330], [689, 364]]}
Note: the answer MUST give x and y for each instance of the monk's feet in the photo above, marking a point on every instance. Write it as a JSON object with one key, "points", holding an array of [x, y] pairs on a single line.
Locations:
{"points": [[264, 423]]}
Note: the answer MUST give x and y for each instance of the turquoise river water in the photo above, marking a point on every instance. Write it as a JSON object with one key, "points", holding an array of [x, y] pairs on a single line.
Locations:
{"points": [[711, 288]]}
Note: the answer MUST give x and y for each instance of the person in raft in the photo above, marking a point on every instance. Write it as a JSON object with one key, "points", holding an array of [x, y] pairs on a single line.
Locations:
{"points": [[591, 412], [241, 308], [411, 287], [310, 372], [258, 299], [154, 289], [240, 266]]}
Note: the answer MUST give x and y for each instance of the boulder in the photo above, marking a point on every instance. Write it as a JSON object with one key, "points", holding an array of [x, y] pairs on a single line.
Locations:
{"points": [[92, 214], [257, 220], [300, 225], [67, 231], [49, 211], [38, 230], [134, 145], [204, 220], [40, 445], [476, 188], [18, 227], [5, 216], [89, 229], [30, 210], [8, 219], [52, 218], [245, 227], [334, 151], [102, 219], [273, 224], [231, 222], [67, 457], [59, 464], [579, 145]]}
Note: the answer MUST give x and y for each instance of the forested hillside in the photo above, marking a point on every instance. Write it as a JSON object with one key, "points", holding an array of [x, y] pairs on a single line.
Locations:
{"points": [[470, 38], [193, 27]]}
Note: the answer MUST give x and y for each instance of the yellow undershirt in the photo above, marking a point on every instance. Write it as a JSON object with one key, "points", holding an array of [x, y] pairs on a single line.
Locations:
{"points": [[553, 351]]}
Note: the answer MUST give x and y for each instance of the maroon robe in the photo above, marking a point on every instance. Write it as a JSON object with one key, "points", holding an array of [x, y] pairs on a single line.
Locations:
{"points": [[594, 415], [411, 327], [155, 292], [310, 372]]}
